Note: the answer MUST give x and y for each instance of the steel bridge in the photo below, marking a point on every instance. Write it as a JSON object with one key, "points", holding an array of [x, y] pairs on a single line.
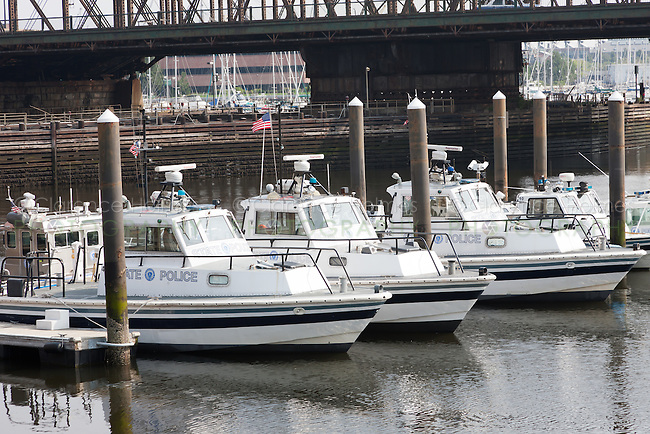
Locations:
{"points": [[114, 37]]}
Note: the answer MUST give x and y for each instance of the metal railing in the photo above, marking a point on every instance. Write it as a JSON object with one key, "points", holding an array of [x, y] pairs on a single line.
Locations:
{"points": [[283, 265], [557, 222], [153, 15], [33, 271], [384, 239]]}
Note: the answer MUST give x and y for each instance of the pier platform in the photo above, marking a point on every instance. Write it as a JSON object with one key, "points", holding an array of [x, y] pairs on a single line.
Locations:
{"points": [[71, 347]]}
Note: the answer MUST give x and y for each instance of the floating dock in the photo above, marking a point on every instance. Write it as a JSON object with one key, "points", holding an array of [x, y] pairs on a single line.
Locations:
{"points": [[71, 347]]}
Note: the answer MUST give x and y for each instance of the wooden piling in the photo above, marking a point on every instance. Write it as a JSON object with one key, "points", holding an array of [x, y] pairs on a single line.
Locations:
{"points": [[420, 197], [357, 150], [500, 144], [539, 139], [110, 183], [55, 171], [616, 139]]}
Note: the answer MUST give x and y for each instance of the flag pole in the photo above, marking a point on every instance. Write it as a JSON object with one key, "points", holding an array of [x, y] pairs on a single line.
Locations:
{"points": [[262, 168], [280, 141], [275, 163]]}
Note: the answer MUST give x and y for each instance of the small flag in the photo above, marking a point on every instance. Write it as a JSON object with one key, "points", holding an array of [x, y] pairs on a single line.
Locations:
{"points": [[263, 123], [14, 207], [406, 122], [135, 148]]}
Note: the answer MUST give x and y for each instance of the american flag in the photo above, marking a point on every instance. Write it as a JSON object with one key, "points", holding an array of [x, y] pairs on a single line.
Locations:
{"points": [[14, 207], [263, 123], [135, 148]]}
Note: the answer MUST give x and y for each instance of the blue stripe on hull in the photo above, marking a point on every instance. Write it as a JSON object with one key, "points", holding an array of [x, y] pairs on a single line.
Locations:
{"points": [[558, 272], [167, 323]]}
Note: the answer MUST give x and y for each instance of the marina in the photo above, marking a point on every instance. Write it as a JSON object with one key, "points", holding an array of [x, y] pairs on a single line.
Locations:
{"points": [[411, 217], [496, 368]]}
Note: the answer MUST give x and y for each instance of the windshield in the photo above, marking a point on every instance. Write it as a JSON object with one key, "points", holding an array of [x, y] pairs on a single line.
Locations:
{"points": [[189, 232], [217, 228], [571, 205], [315, 217], [590, 204], [340, 214]]}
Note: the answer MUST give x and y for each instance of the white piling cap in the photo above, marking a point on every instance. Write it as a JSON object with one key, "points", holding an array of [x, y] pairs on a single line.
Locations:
{"points": [[108, 117], [499, 95], [305, 157], [175, 167], [539, 95], [416, 104], [356, 102], [616, 97]]}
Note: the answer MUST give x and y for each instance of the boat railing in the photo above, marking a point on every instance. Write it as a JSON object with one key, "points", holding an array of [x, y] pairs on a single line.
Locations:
{"points": [[81, 256], [590, 228], [33, 274], [320, 250], [284, 263], [350, 241]]}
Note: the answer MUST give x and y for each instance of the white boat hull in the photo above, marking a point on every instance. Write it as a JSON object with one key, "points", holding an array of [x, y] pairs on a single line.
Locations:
{"points": [[590, 276], [327, 323], [431, 305]]}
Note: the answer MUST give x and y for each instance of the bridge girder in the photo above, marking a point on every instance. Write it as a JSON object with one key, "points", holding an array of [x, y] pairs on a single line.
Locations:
{"points": [[86, 50]]}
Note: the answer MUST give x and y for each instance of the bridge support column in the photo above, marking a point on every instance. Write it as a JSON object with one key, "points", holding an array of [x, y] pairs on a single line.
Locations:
{"points": [[467, 71]]}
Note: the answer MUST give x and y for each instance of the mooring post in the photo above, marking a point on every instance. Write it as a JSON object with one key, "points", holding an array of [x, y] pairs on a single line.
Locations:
{"points": [[110, 183], [616, 139], [357, 152], [539, 139], [55, 170], [420, 197], [500, 144]]}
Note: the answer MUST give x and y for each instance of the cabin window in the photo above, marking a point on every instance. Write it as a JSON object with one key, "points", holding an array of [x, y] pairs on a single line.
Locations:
{"points": [[443, 207], [72, 237], [637, 216], [590, 204], [278, 223], [189, 232], [335, 261], [92, 238], [134, 238], [466, 202], [341, 214], [362, 212], [235, 226], [161, 239], [60, 240], [216, 228], [26, 240], [152, 239], [486, 200], [315, 217], [41, 242], [218, 279], [543, 206], [495, 242], [11, 240], [407, 210]]}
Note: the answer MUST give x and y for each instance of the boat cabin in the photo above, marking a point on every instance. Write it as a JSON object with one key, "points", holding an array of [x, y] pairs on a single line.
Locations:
{"points": [[73, 236]]}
